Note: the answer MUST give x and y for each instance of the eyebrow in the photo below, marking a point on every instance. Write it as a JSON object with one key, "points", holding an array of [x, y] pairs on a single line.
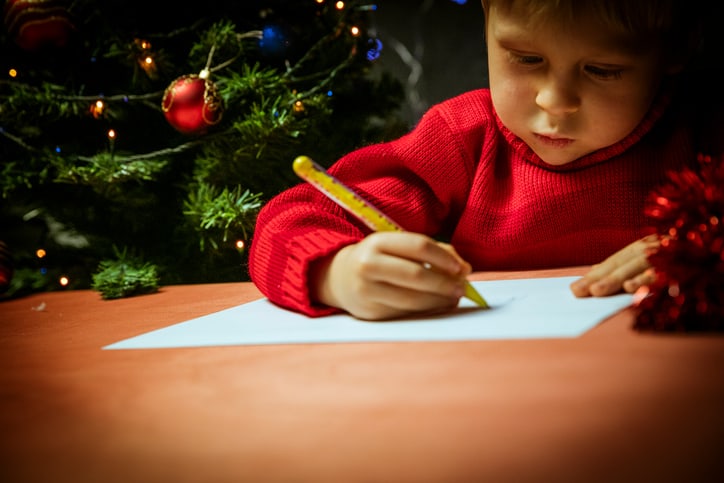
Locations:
{"points": [[513, 37], [512, 31]]}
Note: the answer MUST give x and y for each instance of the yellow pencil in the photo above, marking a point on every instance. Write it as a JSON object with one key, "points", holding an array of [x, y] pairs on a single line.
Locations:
{"points": [[318, 177]]}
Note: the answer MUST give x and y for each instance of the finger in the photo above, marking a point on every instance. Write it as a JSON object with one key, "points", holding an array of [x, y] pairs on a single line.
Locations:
{"points": [[645, 278], [410, 275], [384, 301], [614, 281], [622, 257], [466, 267], [418, 248], [638, 250]]}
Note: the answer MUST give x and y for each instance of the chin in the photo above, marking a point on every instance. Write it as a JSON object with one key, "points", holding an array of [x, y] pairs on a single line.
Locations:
{"points": [[557, 159]]}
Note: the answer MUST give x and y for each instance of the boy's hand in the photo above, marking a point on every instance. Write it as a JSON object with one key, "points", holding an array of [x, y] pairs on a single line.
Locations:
{"points": [[391, 274], [628, 269]]}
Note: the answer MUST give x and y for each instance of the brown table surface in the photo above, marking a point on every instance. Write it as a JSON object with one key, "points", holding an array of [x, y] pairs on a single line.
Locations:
{"points": [[611, 405]]}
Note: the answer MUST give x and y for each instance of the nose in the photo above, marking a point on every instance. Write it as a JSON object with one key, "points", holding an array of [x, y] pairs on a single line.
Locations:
{"points": [[558, 96]]}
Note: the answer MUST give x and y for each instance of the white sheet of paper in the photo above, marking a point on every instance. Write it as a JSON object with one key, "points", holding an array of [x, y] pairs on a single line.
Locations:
{"points": [[519, 309]]}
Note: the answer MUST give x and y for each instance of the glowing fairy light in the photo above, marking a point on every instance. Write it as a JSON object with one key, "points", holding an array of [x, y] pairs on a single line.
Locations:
{"points": [[13, 73], [339, 5], [40, 253], [112, 141], [144, 57], [240, 245], [355, 31], [374, 50], [142, 44], [148, 65], [97, 108], [64, 281]]}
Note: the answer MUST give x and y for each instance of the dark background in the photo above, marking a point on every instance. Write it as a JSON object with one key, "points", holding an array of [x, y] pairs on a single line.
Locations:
{"points": [[445, 42], [435, 47]]}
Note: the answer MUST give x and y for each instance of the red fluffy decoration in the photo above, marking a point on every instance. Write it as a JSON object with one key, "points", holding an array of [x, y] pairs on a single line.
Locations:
{"points": [[688, 294]]}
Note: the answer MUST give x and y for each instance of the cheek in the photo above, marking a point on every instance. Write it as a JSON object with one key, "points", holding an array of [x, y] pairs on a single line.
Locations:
{"points": [[504, 86], [616, 118], [509, 100]]}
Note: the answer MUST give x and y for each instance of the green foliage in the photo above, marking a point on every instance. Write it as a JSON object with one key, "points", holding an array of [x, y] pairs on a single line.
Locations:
{"points": [[181, 200], [104, 171], [124, 277], [224, 211]]}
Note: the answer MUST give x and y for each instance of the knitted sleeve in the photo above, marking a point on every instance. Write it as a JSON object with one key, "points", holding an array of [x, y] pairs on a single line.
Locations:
{"points": [[420, 180]]}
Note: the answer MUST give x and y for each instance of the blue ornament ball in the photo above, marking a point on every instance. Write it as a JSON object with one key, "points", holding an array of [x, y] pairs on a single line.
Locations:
{"points": [[274, 41]]}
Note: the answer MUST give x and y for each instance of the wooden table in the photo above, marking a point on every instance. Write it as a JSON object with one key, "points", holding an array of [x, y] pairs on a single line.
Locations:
{"points": [[611, 405]]}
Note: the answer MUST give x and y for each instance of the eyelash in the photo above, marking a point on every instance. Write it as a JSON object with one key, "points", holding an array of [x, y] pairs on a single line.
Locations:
{"points": [[598, 72], [602, 73], [525, 59]]}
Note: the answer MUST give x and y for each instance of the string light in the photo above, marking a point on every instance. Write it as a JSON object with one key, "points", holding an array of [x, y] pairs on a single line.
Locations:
{"points": [[112, 141], [355, 31], [148, 65], [40, 253], [97, 108], [298, 106], [339, 5], [145, 59], [13, 73], [239, 245], [64, 281]]}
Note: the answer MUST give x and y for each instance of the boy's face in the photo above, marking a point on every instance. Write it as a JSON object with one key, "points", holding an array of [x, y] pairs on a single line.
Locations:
{"points": [[568, 90]]}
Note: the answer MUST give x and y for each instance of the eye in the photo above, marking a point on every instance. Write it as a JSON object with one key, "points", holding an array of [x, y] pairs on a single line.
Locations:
{"points": [[525, 59], [604, 73]]}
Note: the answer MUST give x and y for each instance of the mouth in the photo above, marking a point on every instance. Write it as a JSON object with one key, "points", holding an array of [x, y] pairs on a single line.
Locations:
{"points": [[553, 141]]}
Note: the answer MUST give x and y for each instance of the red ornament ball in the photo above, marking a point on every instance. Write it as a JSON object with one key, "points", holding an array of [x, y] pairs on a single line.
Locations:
{"points": [[192, 104], [36, 24]]}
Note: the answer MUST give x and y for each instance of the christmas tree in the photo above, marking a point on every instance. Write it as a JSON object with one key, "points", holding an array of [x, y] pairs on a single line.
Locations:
{"points": [[136, 148]]}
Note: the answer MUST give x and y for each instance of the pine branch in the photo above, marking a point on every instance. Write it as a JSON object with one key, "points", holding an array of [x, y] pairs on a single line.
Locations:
{"points": [[125, 276], [227, 211]]}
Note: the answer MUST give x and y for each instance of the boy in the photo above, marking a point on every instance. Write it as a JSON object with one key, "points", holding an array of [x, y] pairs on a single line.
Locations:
{"points": [[550, 166]]}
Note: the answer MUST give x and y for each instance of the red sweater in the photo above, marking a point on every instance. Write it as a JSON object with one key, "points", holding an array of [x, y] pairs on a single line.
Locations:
{"points": [[461, 176]]}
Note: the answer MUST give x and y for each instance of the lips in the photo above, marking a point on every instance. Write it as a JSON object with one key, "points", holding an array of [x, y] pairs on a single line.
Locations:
{"points": [[554, 140]]}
